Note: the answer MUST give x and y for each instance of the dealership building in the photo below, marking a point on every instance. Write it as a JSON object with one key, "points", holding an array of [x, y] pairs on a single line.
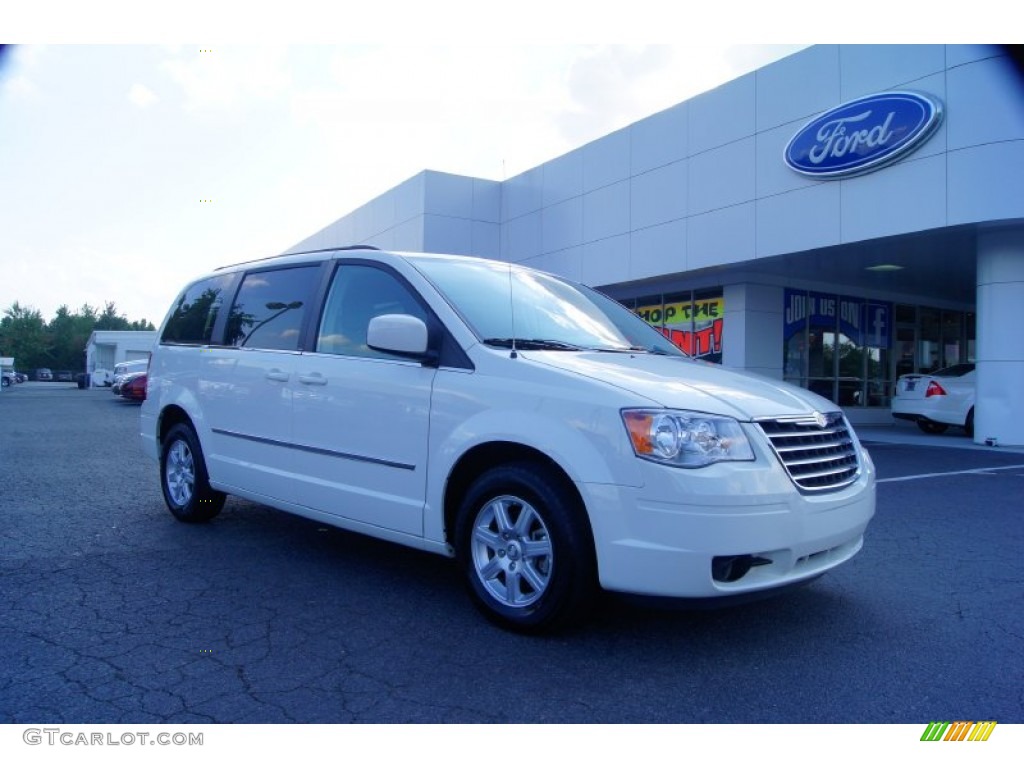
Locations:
{"points": [[835, 219]]}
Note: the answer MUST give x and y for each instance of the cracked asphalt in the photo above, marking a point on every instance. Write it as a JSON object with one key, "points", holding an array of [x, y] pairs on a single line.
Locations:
{"points": [[113, 612]]}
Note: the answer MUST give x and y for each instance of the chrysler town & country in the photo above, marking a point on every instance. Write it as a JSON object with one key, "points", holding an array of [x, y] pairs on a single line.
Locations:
{"points": [[539, 433]]}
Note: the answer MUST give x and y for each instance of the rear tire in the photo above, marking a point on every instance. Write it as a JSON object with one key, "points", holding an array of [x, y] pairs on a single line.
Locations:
{"points": [[183, 478], [525, 548], [969, 424], [932, 427]]}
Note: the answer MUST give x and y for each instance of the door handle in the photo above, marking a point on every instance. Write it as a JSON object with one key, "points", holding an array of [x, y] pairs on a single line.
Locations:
{"points": [[313, 378], [276, 374]]}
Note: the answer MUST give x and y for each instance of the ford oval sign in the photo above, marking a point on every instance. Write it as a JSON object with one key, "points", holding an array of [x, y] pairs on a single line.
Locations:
{"points": [[863, 135]]}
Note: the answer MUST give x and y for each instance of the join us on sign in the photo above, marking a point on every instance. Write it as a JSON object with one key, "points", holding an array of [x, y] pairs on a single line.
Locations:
{"points": [[799, 306], [854, 315]]}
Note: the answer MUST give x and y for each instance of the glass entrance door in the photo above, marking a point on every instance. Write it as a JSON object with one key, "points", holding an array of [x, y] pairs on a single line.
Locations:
{"points": [[904, 357]]}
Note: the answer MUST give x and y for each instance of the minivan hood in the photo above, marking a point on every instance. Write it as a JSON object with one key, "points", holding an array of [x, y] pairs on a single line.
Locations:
{"points": [[676, 382]]}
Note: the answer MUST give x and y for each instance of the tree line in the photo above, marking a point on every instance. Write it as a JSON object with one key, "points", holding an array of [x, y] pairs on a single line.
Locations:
{"points": [[60, 343]]}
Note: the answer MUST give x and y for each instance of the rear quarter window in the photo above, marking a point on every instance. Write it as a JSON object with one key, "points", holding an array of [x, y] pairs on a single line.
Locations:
{"points": [[195, 312]]}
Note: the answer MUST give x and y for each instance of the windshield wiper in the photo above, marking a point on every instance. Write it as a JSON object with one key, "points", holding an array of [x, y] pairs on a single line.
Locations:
{"points": [[648, 350], [534, 344]]}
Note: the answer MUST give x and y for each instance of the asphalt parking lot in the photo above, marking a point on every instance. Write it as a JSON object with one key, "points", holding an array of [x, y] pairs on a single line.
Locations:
{"points": [[112, 612]]}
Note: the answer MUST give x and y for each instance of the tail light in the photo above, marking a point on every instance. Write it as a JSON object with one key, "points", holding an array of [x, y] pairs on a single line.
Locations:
{"points": [[934, 388]]}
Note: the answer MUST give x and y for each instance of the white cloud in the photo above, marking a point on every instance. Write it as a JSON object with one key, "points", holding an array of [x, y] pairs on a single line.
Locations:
{"points": [[220, 77], [462, 109], [603, 88], [612, 86], [19, 87], [141, 96]]}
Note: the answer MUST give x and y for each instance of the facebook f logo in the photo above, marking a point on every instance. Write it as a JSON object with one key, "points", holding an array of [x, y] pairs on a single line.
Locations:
{"points": [[878, 325]]}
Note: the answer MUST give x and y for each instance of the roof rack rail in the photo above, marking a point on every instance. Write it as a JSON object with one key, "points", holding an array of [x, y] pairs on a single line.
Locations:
{"points": [[299, 253]]}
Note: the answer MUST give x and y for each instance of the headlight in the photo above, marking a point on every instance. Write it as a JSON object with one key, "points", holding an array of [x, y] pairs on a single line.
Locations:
{"points": [[685, 438]]}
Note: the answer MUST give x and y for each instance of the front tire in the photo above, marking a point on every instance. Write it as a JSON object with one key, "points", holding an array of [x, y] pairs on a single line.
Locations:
{"points": [[183, 478], [525, 548]]}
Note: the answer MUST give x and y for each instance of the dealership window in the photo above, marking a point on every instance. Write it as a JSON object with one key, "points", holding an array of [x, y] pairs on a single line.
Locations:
{"points": [[838, 346], [928, 338], [929, 326], [852, 350], [952, 337], [969, 337], [692, 320], [905, 316]]}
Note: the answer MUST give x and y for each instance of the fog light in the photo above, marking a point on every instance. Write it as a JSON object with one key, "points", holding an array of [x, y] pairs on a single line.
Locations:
{"points": [[730, 569], [735, 567]]}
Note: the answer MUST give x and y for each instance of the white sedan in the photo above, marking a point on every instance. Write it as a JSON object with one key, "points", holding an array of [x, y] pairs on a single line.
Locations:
{"points": [[937, 400]]}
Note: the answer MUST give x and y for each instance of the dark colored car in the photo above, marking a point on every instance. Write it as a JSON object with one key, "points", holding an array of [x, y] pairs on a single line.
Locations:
{"points": [[63, 376], [44, 374], [134, 387]]}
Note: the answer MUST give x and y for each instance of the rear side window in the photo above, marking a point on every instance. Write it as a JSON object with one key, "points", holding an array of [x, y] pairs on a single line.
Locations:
{"points": [[270, 307], [195, 312]]}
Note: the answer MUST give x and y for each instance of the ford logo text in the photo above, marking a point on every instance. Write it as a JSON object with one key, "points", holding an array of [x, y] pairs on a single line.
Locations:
{"points": [[863, 135]]}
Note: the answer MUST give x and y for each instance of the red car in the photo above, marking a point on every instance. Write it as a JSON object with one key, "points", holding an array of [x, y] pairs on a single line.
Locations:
{"points": [[134, 387]]}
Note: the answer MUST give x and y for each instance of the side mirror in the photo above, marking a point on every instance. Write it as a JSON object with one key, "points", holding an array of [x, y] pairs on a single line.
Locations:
{"points": [[400, 335]]}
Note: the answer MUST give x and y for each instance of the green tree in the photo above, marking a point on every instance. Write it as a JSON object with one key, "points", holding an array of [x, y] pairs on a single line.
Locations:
{"points": [[23, 336], [88, 315], [69, 333], [110, 320], [59, 344], [61, 332]]}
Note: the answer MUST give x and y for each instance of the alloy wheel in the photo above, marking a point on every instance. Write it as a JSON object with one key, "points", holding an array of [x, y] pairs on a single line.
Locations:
{"points": [[512, 552]]}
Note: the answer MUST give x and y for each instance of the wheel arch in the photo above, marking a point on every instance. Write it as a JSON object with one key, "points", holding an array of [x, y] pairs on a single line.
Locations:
{"points": [[184, 480], [487, 455], [169, 417]]}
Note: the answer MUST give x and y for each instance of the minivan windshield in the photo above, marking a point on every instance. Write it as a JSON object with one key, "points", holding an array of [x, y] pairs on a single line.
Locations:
{"points": [[506, 304]]}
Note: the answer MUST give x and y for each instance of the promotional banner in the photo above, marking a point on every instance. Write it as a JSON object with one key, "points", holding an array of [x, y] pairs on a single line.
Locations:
{"points": [[693, 326]]}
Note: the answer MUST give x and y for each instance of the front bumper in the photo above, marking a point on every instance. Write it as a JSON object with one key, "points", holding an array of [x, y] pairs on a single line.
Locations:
{"points": [[667, 537]]}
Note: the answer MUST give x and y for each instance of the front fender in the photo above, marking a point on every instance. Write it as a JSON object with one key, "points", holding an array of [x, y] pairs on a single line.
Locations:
{"points": [[586, 445]]}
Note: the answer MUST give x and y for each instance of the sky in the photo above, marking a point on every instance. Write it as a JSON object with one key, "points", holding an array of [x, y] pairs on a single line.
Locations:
{"points": [[132, 162]]}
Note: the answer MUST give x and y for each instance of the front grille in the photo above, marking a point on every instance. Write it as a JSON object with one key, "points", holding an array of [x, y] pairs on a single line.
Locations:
{"points": [[817, 451]]}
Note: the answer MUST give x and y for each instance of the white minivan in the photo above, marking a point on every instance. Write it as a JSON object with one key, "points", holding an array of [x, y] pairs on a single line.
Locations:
{"points": [[540, 433]]}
